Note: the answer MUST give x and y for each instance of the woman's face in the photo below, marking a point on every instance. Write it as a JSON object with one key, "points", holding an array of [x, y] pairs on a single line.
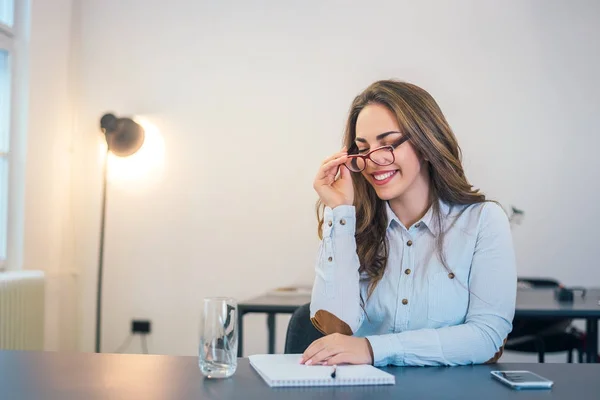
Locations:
{"points": [[376, 126]]}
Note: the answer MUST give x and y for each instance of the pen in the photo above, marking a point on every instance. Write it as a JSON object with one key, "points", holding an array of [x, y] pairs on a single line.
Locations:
{"points": [[334, 371]]}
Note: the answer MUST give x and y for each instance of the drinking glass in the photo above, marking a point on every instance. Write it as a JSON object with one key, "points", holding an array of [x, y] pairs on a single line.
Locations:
{"points": [[218, 337]]}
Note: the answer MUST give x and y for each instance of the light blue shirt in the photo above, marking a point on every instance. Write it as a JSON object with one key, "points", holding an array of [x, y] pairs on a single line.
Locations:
{"points": [[419, 313]]}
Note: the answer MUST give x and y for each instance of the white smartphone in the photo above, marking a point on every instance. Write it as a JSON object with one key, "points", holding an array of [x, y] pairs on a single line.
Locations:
{"points": [[522, 380]]}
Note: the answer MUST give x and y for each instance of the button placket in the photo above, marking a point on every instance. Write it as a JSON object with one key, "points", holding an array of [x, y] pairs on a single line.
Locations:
{"points": [[406, 282]]}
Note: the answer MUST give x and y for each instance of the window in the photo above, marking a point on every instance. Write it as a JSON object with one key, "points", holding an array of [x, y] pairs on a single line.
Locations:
{"points": [[4, 142], [6, 45], [7, 12]]}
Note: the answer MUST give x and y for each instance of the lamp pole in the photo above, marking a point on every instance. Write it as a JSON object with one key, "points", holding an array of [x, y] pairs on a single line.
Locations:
{"points": [[101, 256]]}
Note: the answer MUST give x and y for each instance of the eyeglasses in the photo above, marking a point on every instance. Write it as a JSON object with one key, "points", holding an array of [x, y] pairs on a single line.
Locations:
{"points": [[381, 156]]}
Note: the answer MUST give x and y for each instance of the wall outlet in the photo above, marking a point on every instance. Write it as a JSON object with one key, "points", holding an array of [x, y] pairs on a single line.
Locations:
{"points": [[142, 326]]}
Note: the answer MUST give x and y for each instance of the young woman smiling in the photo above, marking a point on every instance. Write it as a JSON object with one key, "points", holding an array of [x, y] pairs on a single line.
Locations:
{"points": [[415, 266]]}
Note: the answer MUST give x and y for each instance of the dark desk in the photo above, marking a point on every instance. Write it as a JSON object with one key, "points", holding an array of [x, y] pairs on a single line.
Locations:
{"points": [[66, 376], [532, 303], [270, 305]]}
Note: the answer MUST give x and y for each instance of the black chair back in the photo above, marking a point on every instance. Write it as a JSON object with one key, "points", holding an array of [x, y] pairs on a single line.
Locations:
{"points": [[539, 282], [301, 332]]}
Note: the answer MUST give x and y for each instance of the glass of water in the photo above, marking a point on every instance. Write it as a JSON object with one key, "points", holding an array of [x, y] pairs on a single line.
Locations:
{"points": [[218, 337]]}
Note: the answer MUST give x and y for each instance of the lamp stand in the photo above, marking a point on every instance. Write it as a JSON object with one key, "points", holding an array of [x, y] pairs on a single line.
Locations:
{"points": [[101, 257]]}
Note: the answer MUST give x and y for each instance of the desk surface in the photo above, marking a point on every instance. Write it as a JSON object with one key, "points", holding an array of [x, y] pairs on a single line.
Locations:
{"points": [[65, 376], [275, 302], [541, 302], [530, 302]]}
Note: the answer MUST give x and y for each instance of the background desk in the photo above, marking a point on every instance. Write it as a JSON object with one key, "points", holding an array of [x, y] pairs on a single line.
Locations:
{"points": [[532, 303], [66, 376], [270, 305]]}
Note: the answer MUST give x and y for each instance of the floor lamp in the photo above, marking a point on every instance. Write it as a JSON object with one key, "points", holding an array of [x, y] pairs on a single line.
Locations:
{"points": [[123, 137]]}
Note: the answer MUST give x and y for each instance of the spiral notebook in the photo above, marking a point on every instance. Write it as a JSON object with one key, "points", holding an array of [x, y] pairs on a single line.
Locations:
{"points": [[285, 370]]}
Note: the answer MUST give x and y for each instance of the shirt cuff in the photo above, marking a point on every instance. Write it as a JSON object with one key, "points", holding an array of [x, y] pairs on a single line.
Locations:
{"points": [[386, 350], [342, 218]]}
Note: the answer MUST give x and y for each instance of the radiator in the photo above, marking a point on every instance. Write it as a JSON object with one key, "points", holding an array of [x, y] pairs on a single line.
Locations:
{"points": [[22, 310]]}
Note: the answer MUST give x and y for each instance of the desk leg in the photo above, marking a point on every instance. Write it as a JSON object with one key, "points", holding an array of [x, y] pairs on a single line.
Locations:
{"points": [[271, 327], [591, 328], [240, 326]]}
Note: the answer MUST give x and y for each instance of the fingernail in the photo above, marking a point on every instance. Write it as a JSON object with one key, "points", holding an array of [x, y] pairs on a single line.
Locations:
{"points": [[308, 362]]}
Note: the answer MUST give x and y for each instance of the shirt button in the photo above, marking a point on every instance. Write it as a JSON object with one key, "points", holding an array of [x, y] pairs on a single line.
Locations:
{"points": [[342, 222], [330, 259], [409, 243], [418, 225], [451, 275], [404, 301], [407, 272], [329, 223]]}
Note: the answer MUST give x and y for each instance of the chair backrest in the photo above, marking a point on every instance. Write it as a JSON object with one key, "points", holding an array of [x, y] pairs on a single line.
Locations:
{"points": [[301, 332], [527, 326], [539, 282]]}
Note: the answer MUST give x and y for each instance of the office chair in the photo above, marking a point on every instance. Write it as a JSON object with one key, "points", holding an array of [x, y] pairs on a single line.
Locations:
{"points": [[300, 332], [543, 336]]}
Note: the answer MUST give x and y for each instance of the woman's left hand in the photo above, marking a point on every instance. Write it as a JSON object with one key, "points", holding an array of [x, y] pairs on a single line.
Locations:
{"points": [[338, 349]]}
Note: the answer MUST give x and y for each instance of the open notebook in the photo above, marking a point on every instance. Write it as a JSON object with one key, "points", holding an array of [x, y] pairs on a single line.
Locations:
{"points": [[285, 370]]}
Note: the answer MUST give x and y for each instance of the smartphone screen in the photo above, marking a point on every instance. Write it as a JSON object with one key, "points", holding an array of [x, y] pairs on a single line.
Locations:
{"points": [[521, 376]]}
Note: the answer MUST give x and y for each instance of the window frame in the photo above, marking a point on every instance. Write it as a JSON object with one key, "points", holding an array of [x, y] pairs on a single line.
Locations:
{"points": [[7, 44], [6, 31]]}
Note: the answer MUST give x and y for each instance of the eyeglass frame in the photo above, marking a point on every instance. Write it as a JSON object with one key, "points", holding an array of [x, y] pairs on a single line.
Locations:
{"points": [[367, 156]]}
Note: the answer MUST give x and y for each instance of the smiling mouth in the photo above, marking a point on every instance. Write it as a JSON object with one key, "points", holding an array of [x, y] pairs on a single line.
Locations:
{"points": [[382, 178]]}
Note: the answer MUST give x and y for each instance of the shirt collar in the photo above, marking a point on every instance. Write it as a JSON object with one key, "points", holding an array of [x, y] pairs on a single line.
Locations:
{"points": [[391, 216], [428, 219]]}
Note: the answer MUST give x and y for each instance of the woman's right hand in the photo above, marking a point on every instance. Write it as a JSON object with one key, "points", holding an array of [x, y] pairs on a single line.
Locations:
{"points": [[335, 192]]}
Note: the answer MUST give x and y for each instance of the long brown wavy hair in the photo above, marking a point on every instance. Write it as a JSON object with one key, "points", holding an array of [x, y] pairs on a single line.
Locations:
{"points": [[419, 116]]}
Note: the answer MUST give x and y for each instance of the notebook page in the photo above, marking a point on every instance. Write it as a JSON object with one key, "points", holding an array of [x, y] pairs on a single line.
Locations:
{"points": [[286, 370], [287, 366]]}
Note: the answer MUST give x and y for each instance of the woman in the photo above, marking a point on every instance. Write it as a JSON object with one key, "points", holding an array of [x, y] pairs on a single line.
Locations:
{"points": [[415, 266]]}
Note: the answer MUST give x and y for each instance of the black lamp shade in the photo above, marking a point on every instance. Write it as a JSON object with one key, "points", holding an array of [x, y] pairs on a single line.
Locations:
{"points": [[124, 136]]}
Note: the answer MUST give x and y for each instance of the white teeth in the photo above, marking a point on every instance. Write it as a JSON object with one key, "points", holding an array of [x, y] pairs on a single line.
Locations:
{"points": [[383, 176]]}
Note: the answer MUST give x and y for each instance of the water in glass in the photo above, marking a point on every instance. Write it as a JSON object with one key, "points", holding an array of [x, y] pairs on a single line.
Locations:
{"points": [[218, 338]]}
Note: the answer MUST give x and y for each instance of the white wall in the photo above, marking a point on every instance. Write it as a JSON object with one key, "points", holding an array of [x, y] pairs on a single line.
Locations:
{"points": [[48, 229], [251, 96]]}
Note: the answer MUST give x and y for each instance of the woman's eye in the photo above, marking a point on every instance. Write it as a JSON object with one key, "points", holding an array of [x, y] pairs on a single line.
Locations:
{"points": [[360, 151]]}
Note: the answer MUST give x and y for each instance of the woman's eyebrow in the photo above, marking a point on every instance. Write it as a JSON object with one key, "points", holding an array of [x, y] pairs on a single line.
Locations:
{"points": [[379, 137]]}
